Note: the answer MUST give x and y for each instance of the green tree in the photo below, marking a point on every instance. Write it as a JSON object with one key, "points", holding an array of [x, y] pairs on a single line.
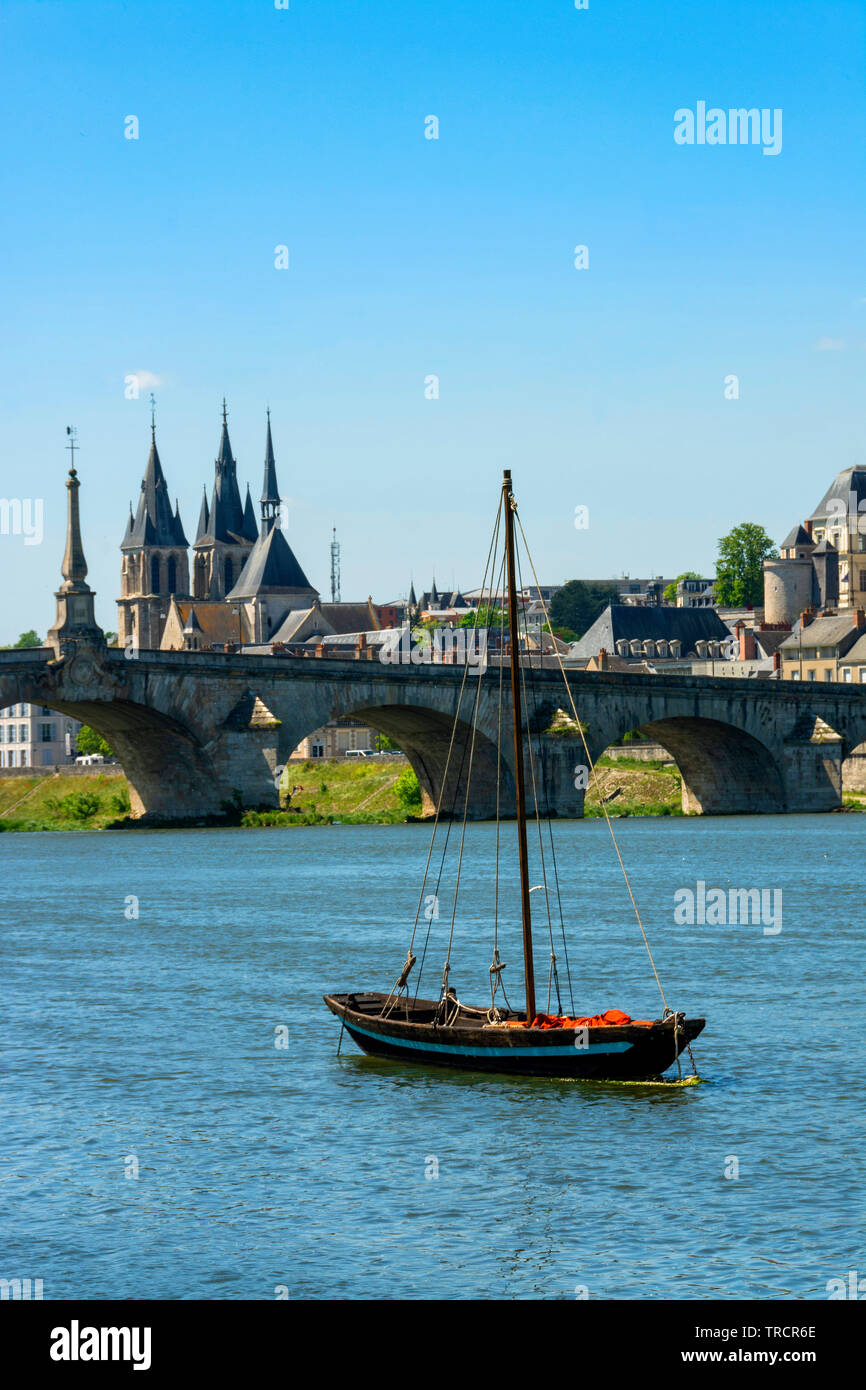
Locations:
{"points": [[29, 639], [386, 744], [740, 566], [89, 741], [487, 617], [577, 604], [564, 634], [81, 805], [407, 790], [670, 593]]}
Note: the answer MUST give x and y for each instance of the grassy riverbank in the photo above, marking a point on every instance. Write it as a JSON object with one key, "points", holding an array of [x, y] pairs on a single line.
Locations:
{"points": [[63, 803], [631, 787], [356, 791]]}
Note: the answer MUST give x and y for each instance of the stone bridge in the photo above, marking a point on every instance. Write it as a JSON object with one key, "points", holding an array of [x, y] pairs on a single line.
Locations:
{"points": [[197, 732]]}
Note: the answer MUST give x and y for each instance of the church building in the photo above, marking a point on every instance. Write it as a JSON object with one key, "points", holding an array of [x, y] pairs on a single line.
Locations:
{"points": [[155, 564]]}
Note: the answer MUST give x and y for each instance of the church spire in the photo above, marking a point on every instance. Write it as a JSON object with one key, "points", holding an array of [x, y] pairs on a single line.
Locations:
{"points": [[156, 521], [203, 516], [226, 518], [270, 492], [250, 530]]}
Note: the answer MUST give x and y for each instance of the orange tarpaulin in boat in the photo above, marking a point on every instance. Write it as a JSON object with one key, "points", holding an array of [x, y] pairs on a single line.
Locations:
{"points": [[610, 1019]]}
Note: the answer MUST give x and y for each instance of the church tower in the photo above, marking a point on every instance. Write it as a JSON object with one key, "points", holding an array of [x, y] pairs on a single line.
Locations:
{"points": [[272, 583], [227, 529], [155, 563]]}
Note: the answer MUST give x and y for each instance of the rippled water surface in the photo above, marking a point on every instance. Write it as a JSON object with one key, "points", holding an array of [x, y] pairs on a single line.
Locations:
{"points": [[152, 1040]]}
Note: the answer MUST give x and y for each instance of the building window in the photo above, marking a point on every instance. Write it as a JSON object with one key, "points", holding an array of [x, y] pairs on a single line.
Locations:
{"points": [[23, 733], [46, 733], [863, 675], [172, 574], [794, 676], [154, 574], [810, 675], [828, 674], [25, 757], [11, 757], [230, 574], [846, 674], [46, 710]]}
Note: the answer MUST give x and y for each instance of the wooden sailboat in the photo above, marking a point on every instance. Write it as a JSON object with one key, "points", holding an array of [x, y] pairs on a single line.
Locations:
{"points": [[447, 1032]]}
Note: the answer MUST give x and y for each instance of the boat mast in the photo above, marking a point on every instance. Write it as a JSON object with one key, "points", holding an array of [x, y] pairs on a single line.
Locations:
{"points": [[520, 791]]}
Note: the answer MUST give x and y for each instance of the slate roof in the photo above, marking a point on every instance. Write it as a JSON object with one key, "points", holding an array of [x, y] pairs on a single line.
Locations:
{"points": [[154, 522], [858, 651], [628, 621], [351, 617], [271, 567], [798, 536], [770, 642], [848, 481], [293, 622], [823, 632]]}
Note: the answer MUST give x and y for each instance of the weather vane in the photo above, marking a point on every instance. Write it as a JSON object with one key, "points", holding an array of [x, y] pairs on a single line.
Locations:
{"points": [[72, 432], [152, 413]]}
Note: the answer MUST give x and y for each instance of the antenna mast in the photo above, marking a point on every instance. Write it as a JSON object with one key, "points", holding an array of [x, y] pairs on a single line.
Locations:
{"points": [[335, 567]]}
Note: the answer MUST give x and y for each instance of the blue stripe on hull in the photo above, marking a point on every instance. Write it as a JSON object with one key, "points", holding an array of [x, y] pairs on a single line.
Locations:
{"points": [[594, 1049]]}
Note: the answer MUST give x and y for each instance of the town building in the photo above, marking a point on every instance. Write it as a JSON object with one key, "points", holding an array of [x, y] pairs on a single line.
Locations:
{"points": [[658, 633], [35, 736], [819, 647], [822, 562], [696, 593], [335, 740]]}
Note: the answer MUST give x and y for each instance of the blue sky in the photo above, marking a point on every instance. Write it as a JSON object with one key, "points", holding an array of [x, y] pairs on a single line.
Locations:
{"points": [[409, 257]]}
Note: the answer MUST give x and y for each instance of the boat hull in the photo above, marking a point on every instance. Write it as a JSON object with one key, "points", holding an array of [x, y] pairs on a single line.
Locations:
{"points": [[627, 1052]]}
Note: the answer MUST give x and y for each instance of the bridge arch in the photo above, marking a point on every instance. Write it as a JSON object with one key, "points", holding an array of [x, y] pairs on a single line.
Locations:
{"points": [[725, 770], [147, 743], [424, 734]]}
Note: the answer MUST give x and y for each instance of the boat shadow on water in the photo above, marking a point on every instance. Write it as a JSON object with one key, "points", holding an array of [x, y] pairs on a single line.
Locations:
{"points": [[410, 1075]]}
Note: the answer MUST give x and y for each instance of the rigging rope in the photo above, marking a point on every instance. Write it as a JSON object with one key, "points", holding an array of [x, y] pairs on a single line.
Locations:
{"points": [[591, 767], [489, 566]]}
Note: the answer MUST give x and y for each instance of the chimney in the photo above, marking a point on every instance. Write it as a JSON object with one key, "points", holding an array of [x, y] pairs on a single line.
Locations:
{"points": [[602, 659], [807, 527], [747, 643], [859, 619], [806, 616], [320, 649], [777, 660]]}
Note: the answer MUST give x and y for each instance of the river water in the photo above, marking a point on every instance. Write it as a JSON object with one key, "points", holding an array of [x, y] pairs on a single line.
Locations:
{"points": [[160, 1141]]}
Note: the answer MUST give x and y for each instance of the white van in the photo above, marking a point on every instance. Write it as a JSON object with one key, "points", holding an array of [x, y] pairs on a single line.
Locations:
{"points": [[357, 753]]}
